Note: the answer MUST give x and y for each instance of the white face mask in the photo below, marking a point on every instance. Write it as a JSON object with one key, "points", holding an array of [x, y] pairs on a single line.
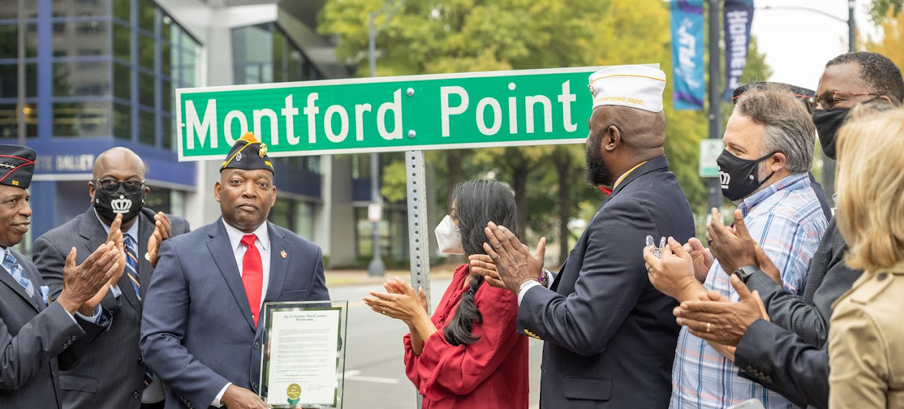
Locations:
{"points": [[448, 237]]}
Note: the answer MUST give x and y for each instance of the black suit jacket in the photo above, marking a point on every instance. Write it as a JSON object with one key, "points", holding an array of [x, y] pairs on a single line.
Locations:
{"points": [[790, 354], [111, 372], [829, 277], [610, 335], [783, 362], [32, 335]]}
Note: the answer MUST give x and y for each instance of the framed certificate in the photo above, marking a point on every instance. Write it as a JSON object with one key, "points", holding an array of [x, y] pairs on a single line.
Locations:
{"points": [[303, 359]]}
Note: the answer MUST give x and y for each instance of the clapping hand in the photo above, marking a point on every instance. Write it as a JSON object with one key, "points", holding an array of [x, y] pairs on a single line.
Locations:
{"points": [[162, 231], [703, 258], [718, 320], [512, 261], [405, 305], [673, 272], [82, 282]]}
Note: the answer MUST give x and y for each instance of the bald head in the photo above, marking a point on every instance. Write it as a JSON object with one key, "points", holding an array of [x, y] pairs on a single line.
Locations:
{"points": [[119, 163], [640, 130]]}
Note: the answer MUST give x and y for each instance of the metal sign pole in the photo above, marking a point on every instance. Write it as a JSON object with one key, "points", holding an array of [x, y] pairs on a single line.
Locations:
{"points": [[418, 244]]}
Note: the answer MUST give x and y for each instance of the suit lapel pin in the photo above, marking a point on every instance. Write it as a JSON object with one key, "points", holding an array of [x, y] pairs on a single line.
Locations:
{"points": [[283, 254]]}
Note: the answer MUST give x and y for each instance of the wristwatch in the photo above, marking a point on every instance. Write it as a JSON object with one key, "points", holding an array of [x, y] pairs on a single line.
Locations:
{"points": [[745, 272]]}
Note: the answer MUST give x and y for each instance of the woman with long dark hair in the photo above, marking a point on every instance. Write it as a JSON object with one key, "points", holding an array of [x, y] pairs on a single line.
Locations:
{"points": [[468, 355]]}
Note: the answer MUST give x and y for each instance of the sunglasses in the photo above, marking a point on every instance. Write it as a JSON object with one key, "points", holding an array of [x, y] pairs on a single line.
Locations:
{"points": [[112, 185], [827, 100]]}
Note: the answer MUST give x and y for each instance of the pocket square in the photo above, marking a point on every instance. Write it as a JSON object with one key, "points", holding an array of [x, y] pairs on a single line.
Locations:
{"points": [[45, 294]]}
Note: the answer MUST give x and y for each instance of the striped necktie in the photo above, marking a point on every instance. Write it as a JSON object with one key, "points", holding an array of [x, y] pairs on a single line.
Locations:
{"points": [[132, 271], [12, 266], [132, 265]]}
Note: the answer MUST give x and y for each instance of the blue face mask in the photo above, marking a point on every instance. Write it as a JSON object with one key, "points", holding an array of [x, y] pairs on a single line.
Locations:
{"points": [[738, 177]]}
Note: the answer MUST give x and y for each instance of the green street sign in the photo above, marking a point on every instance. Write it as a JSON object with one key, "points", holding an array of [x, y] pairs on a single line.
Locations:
{"points": [[451, 111]]}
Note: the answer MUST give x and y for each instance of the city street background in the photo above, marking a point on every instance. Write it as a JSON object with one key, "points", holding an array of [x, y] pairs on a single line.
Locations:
{"points": [[374, 367]]}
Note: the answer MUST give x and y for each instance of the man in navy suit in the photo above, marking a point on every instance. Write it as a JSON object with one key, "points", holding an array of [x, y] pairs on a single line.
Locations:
{"points": [[200, 328], [609, 334]]}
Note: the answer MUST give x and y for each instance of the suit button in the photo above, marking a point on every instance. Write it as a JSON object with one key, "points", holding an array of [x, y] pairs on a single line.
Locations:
{"points": [[135, 395], [254, 386], [140, 361], [53, 375], [257, 345]]}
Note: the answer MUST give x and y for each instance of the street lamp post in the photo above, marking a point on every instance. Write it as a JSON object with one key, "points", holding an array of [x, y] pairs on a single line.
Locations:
{"points": [[828, 164], [376, 268], [713, 186]]}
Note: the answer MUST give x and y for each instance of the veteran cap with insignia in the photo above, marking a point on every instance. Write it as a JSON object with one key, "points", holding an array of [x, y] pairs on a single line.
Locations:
{"points": [[17, 165], [633, 86], [248, 153]]}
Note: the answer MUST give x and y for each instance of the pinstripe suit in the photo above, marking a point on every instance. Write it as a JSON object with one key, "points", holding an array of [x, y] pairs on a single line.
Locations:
{"points": [[111, 374]]}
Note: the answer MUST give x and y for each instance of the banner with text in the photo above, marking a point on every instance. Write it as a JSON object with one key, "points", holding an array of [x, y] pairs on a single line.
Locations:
{"points": [[687, 54], [451, 111], [738, 18]]}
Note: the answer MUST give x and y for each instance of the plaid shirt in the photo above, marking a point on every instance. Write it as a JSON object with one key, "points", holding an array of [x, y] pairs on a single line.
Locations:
{"points": [[788, 222]]}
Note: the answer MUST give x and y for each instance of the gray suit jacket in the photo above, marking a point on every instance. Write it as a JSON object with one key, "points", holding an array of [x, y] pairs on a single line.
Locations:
{"points": [[828, 279], [111, 372], [32, 334], [197, 332]]}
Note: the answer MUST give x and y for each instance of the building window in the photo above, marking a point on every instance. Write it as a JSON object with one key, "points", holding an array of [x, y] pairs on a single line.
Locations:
{"points": [[99, 88], [263, 53]]}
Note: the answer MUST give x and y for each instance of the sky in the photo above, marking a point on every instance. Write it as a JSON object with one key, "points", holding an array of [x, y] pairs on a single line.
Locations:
{"points": [[798, 43]]}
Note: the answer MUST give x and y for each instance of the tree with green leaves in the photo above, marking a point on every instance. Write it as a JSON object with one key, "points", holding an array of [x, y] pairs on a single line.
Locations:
{"points": [[441, 36]]}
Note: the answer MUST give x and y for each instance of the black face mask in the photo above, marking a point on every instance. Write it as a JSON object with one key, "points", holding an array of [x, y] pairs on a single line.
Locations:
{"points": [[738, 177], [827, 124], [108, 205]]}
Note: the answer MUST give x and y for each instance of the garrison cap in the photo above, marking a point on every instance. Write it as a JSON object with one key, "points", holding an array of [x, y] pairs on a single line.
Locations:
{"points": [[807, 96], [248, 153], [17, 165]]}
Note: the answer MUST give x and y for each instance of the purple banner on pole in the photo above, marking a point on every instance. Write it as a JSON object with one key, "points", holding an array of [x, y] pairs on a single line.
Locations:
{"points": [[737, 20]]}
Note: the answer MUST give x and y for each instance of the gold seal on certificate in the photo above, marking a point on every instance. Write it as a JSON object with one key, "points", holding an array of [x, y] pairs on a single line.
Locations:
{"points": [[303, 359]]}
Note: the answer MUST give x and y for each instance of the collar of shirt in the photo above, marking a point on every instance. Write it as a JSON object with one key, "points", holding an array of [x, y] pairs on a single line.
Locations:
{"points": [[622, 177], [235, 236], [792, 182], [133, 231]]}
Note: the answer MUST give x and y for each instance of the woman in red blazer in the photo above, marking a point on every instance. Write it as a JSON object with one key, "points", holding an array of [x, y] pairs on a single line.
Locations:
{"points": [[468, 355]]}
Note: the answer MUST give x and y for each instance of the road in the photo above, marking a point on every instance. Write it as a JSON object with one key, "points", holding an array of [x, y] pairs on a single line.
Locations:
{"points": [[375, 373]]}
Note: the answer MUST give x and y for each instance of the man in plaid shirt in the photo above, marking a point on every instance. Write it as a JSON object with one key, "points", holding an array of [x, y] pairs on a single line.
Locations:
{"points": [[769, 142]]}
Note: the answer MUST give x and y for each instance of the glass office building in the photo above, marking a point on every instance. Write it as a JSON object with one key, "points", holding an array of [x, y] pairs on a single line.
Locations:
{"points": [[103, 73]]}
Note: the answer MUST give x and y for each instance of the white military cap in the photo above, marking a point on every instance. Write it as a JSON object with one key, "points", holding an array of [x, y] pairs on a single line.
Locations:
{"points": [[634, 86]]}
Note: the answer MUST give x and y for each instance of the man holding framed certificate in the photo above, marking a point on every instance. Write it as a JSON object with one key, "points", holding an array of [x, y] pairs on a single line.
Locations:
{"points": [[201, 330]]}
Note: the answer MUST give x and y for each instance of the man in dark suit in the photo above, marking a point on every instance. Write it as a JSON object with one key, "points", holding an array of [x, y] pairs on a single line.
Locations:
{"points": [[609, 336], [789, 354], [200, 331], [33, 331], [111, 373]]}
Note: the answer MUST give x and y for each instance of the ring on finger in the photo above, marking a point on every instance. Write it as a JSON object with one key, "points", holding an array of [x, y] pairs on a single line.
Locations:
{"points": [[384, 313], [708, 327]]}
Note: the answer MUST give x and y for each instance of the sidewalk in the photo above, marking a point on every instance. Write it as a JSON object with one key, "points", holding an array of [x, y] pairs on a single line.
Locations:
{"points": [[338, 278]]}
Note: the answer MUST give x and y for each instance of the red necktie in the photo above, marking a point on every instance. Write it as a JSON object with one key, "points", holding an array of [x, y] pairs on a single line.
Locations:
{"points": [[606, 190], [252, 275]]}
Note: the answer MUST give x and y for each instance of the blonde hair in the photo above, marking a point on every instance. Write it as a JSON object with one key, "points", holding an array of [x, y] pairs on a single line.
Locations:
{"points": [[870, 177]]}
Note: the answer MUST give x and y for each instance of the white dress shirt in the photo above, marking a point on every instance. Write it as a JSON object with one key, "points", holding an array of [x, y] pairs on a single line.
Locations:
{"points": [[263, 246]]}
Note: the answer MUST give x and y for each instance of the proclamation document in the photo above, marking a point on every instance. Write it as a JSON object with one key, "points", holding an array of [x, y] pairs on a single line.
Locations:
{"points": [[303, 361]]}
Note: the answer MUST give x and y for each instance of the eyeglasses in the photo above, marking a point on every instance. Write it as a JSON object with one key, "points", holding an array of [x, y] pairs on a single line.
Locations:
{"points": [[827, 100], [112, 185]]}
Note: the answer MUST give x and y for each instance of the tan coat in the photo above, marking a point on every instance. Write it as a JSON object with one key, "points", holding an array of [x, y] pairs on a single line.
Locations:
{"points": [[866, 343]]}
